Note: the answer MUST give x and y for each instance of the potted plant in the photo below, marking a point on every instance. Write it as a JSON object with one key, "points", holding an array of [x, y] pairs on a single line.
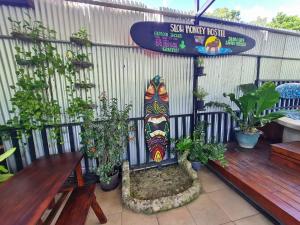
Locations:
{"points": [[106, 139], [250, 115], [79, 60], [81, 38], [199, 66], [30, 31], [4, 173], [200, 94], [200, 152], [84, 85]]}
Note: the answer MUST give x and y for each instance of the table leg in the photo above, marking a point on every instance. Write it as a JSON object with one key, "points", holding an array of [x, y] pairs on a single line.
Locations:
{"points": [[79, 176], [98, 211]]}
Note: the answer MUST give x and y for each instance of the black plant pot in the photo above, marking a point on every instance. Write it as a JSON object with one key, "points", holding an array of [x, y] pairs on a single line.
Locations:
{"points": [[25, 62], [24, 37], [114, 182], [199, 71], [80, 41], [84, 85], [200, 105], [82, 64], [196, 165]]}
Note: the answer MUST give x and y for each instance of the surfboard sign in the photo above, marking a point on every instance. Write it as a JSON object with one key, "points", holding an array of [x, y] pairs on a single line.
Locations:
{"points": [[188, 39], [157, 120]]}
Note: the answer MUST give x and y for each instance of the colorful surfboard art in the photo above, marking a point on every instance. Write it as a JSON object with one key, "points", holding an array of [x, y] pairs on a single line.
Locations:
{"points": [[157, 122], [188, 39]]}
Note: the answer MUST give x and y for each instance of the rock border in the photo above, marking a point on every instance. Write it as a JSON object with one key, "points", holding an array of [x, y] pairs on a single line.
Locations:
{"points": [[163, 203]]}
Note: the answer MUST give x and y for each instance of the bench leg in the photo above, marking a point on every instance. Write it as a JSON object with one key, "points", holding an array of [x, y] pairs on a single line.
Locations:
{"points": [[79, 176], [98, 211]]}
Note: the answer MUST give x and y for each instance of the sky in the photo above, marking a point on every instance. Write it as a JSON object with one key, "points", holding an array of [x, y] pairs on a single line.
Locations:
{"points": [[250, 9]]}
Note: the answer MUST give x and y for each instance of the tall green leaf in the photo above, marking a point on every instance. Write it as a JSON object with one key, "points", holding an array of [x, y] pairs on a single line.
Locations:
{"points": [[7, 154], [4, 177], [267, 97]]}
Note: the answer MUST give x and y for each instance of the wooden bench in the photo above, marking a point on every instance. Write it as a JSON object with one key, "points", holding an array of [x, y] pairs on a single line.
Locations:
{"points": [[77, 207]]}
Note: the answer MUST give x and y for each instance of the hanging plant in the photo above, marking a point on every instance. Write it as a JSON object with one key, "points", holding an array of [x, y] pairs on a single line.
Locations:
{"points": [[79, 60], [81, 38], [34, 105], [30, 31]]}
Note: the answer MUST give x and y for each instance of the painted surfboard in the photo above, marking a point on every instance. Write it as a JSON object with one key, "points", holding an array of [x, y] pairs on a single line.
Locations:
{"points": [[289, 90], [189, 39], [157, 121]]}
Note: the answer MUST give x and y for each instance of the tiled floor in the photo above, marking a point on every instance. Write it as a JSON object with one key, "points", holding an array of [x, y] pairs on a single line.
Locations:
{"points": [[217, 205]]}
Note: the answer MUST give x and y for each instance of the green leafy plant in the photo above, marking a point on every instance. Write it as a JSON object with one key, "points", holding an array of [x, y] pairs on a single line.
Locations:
{"points": [[79, 60], [80, 109], [252, 105], [28, 30], [4, 173], [199, 62], [81, 37], [200, 94], [34, 104], [106, 138], [184, 144], [199, 150], [245, 88]]}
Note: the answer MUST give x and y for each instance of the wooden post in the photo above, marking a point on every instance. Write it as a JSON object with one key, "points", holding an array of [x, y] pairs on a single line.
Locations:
{"points": [[98, 211], [79, 176]]}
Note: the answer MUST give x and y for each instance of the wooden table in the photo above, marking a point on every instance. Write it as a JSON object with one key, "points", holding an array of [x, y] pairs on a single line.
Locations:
{"points": [[25, 197]]}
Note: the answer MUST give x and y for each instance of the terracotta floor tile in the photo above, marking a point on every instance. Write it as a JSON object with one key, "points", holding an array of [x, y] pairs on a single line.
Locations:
{"points": [[254, 220], [112, 219], [233, 205], [132, 218], [110, 202], [207, 212], [179, 216], [210, 182]]}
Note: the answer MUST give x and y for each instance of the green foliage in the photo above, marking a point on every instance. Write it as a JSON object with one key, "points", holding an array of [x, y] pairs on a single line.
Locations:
{"points": [[79, 108], [106, 139], [199, 150], [225, 13], [245, 88], [31, 29], [4, 173], [251, 106], [81, 37], [199, 62], [184, 144], [200, 94], [34, 104], [285, 21]]}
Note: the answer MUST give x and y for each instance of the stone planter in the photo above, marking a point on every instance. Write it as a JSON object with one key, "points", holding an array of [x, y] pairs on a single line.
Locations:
{"points": [[162, 203]]}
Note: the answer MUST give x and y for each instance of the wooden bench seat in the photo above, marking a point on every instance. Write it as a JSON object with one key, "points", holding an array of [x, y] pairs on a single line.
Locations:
{"points": [[77, 207]]}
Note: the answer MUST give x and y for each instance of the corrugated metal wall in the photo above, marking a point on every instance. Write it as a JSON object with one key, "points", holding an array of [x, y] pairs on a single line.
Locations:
{"points": [[123, 70]]}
